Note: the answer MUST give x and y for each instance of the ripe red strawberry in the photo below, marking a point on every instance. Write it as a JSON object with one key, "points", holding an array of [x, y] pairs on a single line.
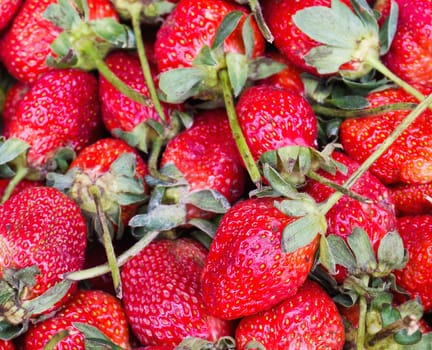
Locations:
{"points": [[416, 233], [27, 43], [6, 345], [118, 110], [408, 159], [272, 118], [411, 199], [376, 218], [163, 296], [192, 25], [207, 157], [92, 307], [410, 53], [246, 270], [43, 227], [13, 97], [60, 110], [19, 187], [307, 320], [8, 9]]}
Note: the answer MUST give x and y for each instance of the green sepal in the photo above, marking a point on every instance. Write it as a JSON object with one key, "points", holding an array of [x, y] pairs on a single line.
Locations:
{"points": [[361, 246], [404, 337], [9, 331], [61, 160], [65, 55], [117, 34], [205, 226], [208, 199], [62, 14], [301, 232], [389, 28], [350, 102], [341, 253], [391, 253], [10, 149], [94, 339], [248, 37], [227, 26], [237, 71], [279, 185], [326, 257], [263, 67], [195, 343]]}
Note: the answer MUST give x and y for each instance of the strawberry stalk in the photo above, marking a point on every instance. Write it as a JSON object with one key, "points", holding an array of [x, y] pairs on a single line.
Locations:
{"points": [[364, 112], [361, 332], [239, 138], [107, 241], [21, 172]]}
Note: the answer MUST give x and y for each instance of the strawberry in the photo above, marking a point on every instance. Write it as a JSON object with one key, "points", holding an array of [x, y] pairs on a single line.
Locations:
{"points": [[411, 199], [307, 320], [41, 227], [163, 296], [13, 97], [19, 187], [91, 307], [410, 53], [416, 233], [191, 26], [61, 110], [6, 345], [27, 43], [8, 9], [246, 270], [376, 218], [408, 159], [207, 157]]}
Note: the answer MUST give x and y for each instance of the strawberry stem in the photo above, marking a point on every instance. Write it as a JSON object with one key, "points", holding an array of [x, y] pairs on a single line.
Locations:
{"points": [[378, 152], [111, 77], [121, 260], [361, 331], [239, 138], [107, 241], [364, 112], [154, 158], [20, 174], [135, 11]]}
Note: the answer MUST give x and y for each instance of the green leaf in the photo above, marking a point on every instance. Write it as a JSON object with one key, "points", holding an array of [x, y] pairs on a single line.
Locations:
{"points": [[208, 200], [388, 29], [94, 339], [248, 37], [350, 102], [205, 57], [341, 252], [62, 14], [180, 84], [389, 314], [326, 257], [279, 184], [263, 67], [237, 71], [300, 232], [391, 252], [361, 246], [120, 35], [404, 337], [227, 26], [423, 344], [328, 59], [11, 149], [62, 46], [161, 218]]}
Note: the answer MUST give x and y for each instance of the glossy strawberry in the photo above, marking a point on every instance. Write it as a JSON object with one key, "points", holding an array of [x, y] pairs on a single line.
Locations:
{"points": [[91, 307], [27, 43], [6, 345], [416, 233], [60, 110], [376, 218], [246, 270], [272, 118], [191, 26], [163, 296], [8, 9], [411, 199], [410, 54], [43, 227], [408, 159], [307, 320]]}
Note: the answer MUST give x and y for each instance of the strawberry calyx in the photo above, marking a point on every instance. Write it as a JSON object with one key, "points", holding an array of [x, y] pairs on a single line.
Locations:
{"points": [[16, 311], [194, 343], [255, 7], [149, 12]]}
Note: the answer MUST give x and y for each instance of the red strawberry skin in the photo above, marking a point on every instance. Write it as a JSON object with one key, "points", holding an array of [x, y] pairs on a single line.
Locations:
{"points": [[415, 278], [93, 307], [118, 110], [207, 156], [411, 199], [271, 118], [246, 271], [410, 55], [42, 226], [192, 25], [408, 159], [23, 184], [61, 109], [162, 294], [27, 43], [307, 320], [13, 97], [8, 9]]}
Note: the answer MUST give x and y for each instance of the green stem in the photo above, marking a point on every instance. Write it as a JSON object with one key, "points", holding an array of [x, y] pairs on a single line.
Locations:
{"points": [[154, 158], [111, 77], [135, 11], [262, 25], [239, 138], [378, 152], [365, 112], [361, 332], [20, 174], [107, 242], [379, 66], [121, 260]]}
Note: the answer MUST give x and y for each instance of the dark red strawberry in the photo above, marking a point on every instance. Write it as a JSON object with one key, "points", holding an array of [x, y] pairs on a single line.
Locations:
{"points": [[41, 227], [193, 25], [376, 218], [8, 9], [410, 55], [27, 43], [246, 270], [408, 159], [13, 97], [7, 345], [412, 199], [163, 295], [415, 278], [307, 320], [90, 307], [61, 110]]}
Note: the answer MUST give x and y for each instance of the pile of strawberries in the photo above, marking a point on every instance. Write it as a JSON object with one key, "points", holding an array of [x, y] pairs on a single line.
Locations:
{"points": [[215, 174]]}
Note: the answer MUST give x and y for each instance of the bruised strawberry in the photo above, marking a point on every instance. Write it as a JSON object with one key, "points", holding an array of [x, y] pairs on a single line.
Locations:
{"points": [[309, 320], [246, 270], [408, 159], [163, 295], [91, 307]]}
